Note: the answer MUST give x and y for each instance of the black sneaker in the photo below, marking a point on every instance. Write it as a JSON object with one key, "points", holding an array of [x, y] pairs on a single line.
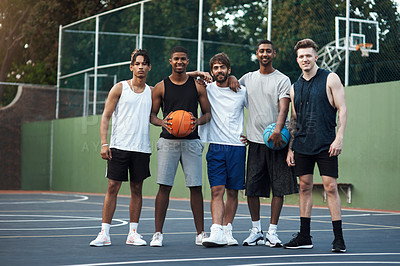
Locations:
{"points": [[299, 241], [338, 245]]}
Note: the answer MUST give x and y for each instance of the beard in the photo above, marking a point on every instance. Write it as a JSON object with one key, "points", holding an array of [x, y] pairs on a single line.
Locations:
{"points": [[220, 78]]}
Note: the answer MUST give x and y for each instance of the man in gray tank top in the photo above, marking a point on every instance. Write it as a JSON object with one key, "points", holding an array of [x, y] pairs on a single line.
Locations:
{"points": [[316, 98]]}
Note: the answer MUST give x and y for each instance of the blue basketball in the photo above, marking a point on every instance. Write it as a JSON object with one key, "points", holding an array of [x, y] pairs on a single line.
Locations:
{"points": [[268, 131]]}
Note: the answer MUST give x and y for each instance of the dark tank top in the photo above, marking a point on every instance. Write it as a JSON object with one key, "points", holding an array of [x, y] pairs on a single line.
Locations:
{"points": [[180, 97], [316, 118]]}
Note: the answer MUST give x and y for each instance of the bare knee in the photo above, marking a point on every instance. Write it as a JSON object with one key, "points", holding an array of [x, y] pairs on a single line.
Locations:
{"points": [[232, 194], [113, 186], [331, 188], [136, 188], [305, 187], [217, 192]]}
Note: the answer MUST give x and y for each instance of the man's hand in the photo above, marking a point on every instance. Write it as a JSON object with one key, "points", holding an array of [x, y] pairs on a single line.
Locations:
{"points": [[105, 152], [167, 124], [233, 83], [277, 140], [194, 122], [203, 78], [336, 147], [290, 158], [244, 140]]}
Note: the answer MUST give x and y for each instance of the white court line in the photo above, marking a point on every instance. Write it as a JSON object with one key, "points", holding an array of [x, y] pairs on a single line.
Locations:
{"points": [[319, 263], [80, 198], [65, 218], [237, 258]]}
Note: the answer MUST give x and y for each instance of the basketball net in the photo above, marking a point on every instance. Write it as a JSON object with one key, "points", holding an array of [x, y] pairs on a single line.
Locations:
{"points": [[364, 48]]}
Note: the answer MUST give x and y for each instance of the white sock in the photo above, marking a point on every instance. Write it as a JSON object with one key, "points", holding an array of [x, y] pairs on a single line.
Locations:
{"points": [[106, 228], [133, 227], [272, 228], [256, 224]]}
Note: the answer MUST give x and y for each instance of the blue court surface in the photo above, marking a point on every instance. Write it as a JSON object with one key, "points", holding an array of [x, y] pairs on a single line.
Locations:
{"points": [[56, 228]]}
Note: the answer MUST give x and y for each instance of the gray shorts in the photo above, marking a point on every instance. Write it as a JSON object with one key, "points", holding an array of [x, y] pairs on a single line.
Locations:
{"points": [[172, 151]]}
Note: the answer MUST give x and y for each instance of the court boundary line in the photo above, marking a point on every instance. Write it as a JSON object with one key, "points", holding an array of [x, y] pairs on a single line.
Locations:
{"points": [[235, 258]]}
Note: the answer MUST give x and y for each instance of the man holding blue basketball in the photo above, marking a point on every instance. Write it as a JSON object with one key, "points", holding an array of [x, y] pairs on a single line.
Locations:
{"points": [[268, 102], [226, 154], [317, 97]]}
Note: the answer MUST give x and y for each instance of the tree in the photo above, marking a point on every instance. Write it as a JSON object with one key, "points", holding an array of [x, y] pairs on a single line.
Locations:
{"points": [[29, 32]]}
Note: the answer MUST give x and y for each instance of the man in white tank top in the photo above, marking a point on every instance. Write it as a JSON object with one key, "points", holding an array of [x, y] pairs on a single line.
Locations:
{"points": [[129, 104], [226, 154]]}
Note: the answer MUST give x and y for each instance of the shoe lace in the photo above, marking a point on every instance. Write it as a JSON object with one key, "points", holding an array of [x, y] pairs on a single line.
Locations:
{"points": [[156, 236]]}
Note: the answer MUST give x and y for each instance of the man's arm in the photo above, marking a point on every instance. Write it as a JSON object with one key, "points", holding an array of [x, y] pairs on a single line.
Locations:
{"points": [[205, 76], [204, 105], [292, 130], [111, 103], [157, 95], [339, 102]]}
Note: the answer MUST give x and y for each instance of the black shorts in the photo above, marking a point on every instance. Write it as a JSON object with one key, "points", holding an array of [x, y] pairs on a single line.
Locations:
{"points": [[136, 162], [267, 170], [305, 164]]}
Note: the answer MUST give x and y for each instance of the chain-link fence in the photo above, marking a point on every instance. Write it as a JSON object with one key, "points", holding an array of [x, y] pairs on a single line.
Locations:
{"points": [[95, 52]]}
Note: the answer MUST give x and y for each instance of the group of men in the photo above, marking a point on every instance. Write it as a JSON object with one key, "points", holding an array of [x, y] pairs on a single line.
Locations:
{"points": [[316, 99]]}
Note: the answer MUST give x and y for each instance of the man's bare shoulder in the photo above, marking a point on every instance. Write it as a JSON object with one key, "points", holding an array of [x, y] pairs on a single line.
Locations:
{"points": [[158, 89], [116, 90]]}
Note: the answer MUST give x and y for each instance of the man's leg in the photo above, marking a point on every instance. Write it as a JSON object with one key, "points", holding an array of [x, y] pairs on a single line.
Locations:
{"points": [[217, 237], [253, 203], [276, 207], [161, 206], [305, 195], [303, 239], [109, 205], [217, 204], [110, 200], [332, 193], [196, 203], [135, 206], [230, 206], [334, 205]]}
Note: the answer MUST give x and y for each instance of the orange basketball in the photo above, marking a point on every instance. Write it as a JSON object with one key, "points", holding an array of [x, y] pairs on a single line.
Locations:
{"points": [[181, 126]]}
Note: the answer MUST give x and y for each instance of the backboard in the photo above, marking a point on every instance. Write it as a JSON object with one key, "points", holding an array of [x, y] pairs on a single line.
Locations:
{"points": [[361, 31]]}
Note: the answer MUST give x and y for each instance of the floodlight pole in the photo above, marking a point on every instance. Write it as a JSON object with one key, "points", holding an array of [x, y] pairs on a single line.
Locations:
{"points": [[58, 70], [96, 64], [141, 25], [199, 36], [346, 68], [269, 19]]}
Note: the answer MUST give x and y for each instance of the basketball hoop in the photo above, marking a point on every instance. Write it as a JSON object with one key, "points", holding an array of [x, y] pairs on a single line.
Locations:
{"points": [[364, 48]]}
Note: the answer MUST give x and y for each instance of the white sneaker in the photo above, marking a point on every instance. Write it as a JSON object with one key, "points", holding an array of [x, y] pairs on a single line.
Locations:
{"points": [[217, 237], [272, 240], [255, 238], [200, 237], [157, 239], [228, 235], [135, 239], [102, 239]]}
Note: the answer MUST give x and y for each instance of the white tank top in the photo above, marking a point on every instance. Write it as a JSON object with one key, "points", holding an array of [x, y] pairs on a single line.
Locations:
{"points": [[227, 118], [131, 120]]}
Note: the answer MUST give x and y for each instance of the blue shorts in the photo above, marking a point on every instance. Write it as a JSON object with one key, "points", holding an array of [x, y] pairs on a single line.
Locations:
{"points": [[226, 166]]}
